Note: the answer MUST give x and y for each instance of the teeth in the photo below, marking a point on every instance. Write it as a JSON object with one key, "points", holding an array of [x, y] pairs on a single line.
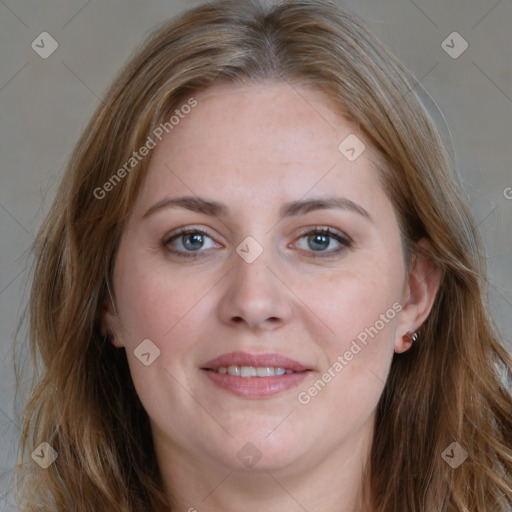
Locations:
{"points": [[247, 371], [251, 371], [234, 370], [266, 371]]}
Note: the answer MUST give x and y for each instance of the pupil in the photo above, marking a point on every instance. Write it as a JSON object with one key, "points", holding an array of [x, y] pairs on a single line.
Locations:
{"points": [[197, 237], [324, 240]]}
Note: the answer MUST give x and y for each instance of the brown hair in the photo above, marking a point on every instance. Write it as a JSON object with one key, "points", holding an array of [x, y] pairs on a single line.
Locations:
{"points": [[452, 387]]}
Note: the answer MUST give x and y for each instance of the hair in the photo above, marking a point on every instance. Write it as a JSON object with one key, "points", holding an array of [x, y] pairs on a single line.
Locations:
{"points": [[453, 386]]}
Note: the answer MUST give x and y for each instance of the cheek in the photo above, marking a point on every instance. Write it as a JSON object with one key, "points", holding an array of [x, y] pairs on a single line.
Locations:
{"points": [[361, 313], [151, 301], [357, 297], [160, 306]]}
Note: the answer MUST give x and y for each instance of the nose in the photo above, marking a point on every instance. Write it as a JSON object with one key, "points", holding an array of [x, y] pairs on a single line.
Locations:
{"points": [[256, 297]]}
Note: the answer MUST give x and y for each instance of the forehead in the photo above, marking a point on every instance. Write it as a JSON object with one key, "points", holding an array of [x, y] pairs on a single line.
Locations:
{"points": [[272, 139], [289, 117]]}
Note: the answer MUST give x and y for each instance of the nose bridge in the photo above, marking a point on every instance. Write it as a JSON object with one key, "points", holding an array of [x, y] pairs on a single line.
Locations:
{"points": [[251, 272]]}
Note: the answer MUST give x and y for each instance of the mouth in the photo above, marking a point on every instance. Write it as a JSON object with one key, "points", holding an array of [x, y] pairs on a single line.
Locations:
{"points": [[255, 375]]}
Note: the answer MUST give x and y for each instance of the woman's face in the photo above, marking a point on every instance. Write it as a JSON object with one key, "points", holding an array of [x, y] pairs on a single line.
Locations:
{"points": [[260, 292]]}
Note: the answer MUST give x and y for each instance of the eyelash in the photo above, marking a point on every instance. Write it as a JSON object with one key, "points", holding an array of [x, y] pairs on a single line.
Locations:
{"points": [[345, 242]]}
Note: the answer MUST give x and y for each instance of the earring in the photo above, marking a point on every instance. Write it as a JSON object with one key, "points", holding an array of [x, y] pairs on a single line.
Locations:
{"points": [[409, 338]]}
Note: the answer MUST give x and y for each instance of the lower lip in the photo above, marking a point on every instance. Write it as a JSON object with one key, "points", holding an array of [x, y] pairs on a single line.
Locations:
{"points": [[256, 387]]}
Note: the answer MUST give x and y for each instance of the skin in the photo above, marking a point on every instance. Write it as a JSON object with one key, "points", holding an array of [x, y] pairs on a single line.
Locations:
{"points": [[255, 147]]}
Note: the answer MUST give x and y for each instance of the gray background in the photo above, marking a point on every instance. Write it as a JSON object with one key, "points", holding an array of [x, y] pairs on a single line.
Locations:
{"points": [[45, 103]]}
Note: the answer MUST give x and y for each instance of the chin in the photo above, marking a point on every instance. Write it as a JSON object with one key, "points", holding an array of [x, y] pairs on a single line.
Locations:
{"points": [[256, 453]]}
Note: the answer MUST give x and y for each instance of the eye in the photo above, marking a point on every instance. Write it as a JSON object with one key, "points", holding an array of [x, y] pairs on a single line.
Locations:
{"points": [[320, 239], [190, 240]]}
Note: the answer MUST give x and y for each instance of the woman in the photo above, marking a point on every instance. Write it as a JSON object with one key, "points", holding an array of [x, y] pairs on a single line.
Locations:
{"points": [[259, 286]]}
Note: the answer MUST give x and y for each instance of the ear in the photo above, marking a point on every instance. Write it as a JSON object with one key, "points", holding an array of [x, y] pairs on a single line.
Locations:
{"points": [[419, 293], [109, 320]]}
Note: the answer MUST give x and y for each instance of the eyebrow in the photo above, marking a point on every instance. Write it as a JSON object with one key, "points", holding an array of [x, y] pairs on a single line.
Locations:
{"points": [[293, 208]]}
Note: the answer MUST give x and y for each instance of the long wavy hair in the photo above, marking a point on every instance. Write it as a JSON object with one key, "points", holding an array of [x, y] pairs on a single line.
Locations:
{"points": [[453, 386]]}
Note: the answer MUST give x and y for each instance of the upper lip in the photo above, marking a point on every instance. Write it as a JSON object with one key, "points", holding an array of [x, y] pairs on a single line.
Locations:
{"points": [[254, 360]]}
